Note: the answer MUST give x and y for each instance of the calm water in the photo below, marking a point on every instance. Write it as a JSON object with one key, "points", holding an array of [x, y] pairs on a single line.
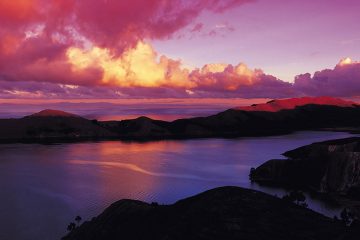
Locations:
{"points": [[43, 187]]}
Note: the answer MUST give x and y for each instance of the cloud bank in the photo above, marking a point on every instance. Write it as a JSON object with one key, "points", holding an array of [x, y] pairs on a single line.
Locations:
{"points": [[212, 80], [343, 80]]}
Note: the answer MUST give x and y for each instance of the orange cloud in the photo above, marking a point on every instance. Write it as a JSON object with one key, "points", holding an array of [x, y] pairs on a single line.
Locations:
{"points": [[136, 67], [142, 67]]}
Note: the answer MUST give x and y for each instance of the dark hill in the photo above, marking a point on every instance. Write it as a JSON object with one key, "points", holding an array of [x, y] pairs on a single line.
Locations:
{"points": [[331, 168], [48, 125], [327, 167], [222, 213]]}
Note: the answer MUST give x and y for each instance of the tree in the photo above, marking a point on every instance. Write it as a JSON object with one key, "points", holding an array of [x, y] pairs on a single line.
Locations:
{"points": [[78, 219], [252, 173], [71, 227]]}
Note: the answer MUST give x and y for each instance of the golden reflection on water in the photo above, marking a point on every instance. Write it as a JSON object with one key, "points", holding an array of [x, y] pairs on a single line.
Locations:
{"points": [[132, 167]]}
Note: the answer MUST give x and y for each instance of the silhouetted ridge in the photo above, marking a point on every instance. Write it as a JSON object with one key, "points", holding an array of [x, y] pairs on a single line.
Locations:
{"points": [[278, 117], [292, 103]]}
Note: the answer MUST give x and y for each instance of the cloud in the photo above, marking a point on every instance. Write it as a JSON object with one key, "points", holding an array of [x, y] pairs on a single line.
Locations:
{"points": [[136, 67], [106, 23], [95, 42], [140, 19], [342, 81], [221, 80], [127, 77], [197, 28]]}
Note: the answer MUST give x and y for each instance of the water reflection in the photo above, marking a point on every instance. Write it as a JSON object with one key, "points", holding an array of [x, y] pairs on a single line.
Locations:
{"points": [[42, 187]]}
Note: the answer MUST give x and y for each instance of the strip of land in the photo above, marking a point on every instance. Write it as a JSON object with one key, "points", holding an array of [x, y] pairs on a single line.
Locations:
{"points": [[273, 118]]}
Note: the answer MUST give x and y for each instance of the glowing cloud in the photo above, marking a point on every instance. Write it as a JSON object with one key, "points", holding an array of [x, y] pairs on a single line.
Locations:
{"points": [[136, 67], [345, 61]]}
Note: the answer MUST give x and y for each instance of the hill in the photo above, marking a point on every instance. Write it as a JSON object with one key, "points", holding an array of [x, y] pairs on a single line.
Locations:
{"points": [[50, 125], [222, 213]]}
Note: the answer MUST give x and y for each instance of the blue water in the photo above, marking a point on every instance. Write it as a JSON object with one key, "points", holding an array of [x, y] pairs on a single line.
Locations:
{"points": [[43, 187]]}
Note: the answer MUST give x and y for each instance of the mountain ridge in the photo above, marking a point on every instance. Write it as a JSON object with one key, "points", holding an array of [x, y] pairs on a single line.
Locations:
{"points": [[54, 124], [291, 103]]}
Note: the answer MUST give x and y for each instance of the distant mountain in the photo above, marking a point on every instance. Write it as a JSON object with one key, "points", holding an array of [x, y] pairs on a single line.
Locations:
{"points": [[290, 115], [51, 125], [223, 213], [273, 118], [292, 103], [53, 113]]}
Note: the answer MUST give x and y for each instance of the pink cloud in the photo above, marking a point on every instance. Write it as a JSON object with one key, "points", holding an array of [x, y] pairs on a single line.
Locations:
{"points": [[197, 28], [238, 81], [36, 35]]}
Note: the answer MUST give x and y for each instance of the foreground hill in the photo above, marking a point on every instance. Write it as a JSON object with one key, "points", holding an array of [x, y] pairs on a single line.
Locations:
{"points": [[222, 213], [272, 118]]}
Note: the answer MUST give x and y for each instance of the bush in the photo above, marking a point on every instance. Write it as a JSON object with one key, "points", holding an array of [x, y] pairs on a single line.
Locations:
{"points": [[296, 197], [347, 217]]}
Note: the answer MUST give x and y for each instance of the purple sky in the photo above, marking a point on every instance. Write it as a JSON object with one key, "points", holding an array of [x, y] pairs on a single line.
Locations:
{"points": [[283, 37]]}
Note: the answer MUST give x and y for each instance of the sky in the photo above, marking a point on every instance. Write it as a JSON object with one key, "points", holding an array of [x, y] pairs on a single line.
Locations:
{"points": [[110, 49]]}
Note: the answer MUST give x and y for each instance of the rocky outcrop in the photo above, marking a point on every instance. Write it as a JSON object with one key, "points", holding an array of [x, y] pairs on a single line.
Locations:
{"points": [[327, 167], [222, 213]]}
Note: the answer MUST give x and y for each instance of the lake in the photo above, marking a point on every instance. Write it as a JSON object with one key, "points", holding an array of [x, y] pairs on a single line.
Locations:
{"points": [[43, 187]]}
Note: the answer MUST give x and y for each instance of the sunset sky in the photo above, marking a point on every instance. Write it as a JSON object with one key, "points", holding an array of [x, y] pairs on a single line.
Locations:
{"points": [[69, 49]]}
